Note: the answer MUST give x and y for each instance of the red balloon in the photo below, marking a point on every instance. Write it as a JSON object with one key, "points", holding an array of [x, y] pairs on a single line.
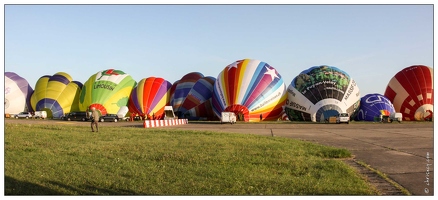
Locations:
{"points": [[411, 92]]}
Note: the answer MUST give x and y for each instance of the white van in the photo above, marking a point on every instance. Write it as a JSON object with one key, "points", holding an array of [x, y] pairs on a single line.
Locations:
{"points": [[228, 117], [40, 115]]}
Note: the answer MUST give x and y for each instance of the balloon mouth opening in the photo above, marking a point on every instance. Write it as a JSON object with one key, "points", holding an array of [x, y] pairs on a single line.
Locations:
{"points": [[242, 112], [424, 112], [101, 109], [326, 114]]}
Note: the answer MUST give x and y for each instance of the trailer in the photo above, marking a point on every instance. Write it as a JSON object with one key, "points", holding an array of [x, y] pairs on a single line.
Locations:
{"points": [[40, 115], [168, 113], [228, 117], [396, 117]]}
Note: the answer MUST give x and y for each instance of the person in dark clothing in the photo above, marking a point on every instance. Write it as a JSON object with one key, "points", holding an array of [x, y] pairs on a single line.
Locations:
{"points": [[94, 119]]}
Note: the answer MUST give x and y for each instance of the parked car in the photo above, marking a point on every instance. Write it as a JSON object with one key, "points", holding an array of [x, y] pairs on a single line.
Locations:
{"points": [[77, 116], [26, 115], [343, 118], [109, 118]]}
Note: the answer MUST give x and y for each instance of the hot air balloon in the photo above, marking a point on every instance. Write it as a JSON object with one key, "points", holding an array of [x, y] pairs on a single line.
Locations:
{"points": [[191, 96], [321, 92], [149, 97], [108, 91], [411, 92], [250, 88], [372, 106], [57, 94], [17, 94]]}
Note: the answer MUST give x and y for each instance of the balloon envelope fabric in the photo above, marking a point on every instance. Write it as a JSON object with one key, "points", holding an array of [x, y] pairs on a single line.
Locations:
{"points": [[250, 88], [411, 92], [17, 93], [57, 95], [108, 91], [149, 97], [372, 106], [321, 92], [191, 96]]}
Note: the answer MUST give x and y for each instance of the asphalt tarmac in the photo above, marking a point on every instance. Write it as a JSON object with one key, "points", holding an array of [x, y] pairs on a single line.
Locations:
{"points": [[403, 151]]}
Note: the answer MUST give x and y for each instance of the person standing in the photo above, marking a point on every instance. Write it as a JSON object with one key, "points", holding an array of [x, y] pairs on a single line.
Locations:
{"points": [[94, 119]]}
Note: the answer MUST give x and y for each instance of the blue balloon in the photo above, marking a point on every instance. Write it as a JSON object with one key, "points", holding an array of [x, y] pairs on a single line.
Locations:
{"points": [[372, 106]]}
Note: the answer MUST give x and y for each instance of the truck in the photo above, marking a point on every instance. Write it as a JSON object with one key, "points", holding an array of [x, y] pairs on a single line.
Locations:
{"points": [[396, 117], [228, 117], [343, 118]]}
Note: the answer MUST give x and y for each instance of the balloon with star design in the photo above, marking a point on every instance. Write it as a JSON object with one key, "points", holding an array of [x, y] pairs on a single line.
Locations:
{"points": [[321, 92], [250, 88]]}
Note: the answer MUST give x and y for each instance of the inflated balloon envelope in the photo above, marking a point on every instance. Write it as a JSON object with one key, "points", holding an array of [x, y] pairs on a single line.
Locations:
{"points": [[250, 88], [57, 95], [17, 93], [191, 96], [321, 92], [374, 105], [107, 91], [411, 92], [149, 98]]}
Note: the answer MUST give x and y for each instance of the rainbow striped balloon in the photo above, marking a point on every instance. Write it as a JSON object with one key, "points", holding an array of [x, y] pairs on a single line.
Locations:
{"points": [[149, 97], [250, 88]]}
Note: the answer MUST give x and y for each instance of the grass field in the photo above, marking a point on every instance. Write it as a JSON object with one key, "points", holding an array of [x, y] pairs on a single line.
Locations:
{"points": [[71, 160]]}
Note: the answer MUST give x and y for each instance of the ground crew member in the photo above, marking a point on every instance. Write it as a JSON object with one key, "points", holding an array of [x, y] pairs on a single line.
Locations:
{"points": [[94, 119]]}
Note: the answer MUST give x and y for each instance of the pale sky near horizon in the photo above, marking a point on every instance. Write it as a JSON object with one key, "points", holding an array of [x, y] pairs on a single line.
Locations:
{"points": [[369, 42]]}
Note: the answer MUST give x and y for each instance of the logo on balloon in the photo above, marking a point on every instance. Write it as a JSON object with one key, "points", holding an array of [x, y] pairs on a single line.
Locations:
{"points": [[104, 86]]}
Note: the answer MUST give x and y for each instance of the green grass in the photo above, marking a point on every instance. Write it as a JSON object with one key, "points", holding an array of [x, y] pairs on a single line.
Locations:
{"points": [[70, 160]]}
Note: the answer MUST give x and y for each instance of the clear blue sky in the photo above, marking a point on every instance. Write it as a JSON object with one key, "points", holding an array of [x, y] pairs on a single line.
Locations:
{"points": [[369, 42]]}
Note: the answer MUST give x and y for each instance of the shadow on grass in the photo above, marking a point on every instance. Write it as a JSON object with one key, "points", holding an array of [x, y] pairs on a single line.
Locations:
{"points": [[14, 187], [94, 190]]}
